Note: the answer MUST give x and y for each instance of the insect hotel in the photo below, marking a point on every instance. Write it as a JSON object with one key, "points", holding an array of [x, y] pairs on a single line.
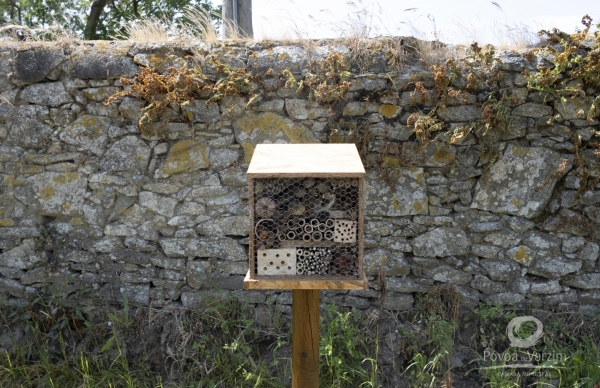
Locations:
{"points": [[306, 217]]}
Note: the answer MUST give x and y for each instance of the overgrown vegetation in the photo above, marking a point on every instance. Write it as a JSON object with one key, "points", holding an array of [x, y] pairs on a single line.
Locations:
{"points": [[476, 79], [229, 343], [180, 86], [575, 76], [56, 344], [89, 20], [177, 86], [50, 344]]}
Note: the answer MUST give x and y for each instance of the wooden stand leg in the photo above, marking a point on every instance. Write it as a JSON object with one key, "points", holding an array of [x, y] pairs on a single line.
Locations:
{"points": [[305, 338]]}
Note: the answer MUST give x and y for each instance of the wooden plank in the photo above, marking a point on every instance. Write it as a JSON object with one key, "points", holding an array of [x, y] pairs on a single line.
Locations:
{"points": [[242, 27], [305, 339], [361, 227], [303, 160], [261, 283], [252, 250]]}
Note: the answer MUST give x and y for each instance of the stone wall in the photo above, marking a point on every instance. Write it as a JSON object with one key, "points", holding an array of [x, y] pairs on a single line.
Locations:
{"points": [[92, 207]]}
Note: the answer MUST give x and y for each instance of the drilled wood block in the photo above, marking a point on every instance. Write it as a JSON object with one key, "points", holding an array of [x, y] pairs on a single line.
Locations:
{"points": [[344, 231], [276, 261]]}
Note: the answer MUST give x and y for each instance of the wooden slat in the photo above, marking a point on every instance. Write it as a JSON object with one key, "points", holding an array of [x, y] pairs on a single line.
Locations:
{"points": [[303, 160], [251, 251], [303, 284], [305, 339], [361, 227]]}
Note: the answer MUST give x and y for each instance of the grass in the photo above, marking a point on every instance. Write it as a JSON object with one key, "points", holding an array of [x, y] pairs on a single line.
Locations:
{"points": [[364, 21], [197, 27], [230, 343]]}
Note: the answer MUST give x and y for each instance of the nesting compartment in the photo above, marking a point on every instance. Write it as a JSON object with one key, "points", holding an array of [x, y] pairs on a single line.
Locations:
{"points": [[306, 212]]}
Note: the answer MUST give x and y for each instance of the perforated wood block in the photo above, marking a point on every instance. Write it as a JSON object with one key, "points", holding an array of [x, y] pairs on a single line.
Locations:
{"points": [[344, 231], [276, 261]]}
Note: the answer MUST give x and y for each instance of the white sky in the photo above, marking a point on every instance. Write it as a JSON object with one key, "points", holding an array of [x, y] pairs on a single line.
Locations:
{"points": [[458, 21]]}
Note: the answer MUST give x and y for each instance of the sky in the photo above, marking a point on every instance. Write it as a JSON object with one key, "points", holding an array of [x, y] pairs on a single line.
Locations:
{"points": [[459, 21]]}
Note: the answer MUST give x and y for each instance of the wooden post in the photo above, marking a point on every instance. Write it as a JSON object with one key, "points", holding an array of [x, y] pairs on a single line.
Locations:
{"points": [[243, 22], [305, 338]]}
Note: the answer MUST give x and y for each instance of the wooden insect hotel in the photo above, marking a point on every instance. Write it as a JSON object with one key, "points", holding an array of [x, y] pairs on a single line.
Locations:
{"points": [[306, 217]]}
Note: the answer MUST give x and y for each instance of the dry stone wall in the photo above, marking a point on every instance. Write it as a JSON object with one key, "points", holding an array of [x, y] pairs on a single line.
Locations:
{"points": [[92, 207]]}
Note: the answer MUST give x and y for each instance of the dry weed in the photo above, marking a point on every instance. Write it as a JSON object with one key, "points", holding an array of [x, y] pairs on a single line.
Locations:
{"points": [[199, 26], [196, 27], [151, 30], [53, 33]]}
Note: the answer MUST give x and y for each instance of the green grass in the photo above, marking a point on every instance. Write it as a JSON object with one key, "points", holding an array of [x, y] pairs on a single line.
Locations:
{"points": [[230, 343], [48, 344]]}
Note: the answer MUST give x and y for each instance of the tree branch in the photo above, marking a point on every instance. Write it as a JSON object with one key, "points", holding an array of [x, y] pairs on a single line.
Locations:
{"points": [[89, 32]]}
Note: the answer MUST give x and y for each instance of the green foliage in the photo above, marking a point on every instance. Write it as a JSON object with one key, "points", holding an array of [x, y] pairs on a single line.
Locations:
{"points": [[498, 376], [35, 13], [327, 82], [218, 345], [344, 350], [74, 15], [429, 350], [423, 372], [569, 64], [490, 322], [178, 86], [452, 82], [235, 82], [425, 126], [581, 367]]}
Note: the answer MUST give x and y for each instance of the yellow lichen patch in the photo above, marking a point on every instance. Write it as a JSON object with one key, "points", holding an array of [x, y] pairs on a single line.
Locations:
{"points": [[395, 203], [267, 123], [443, 156], [67, 206], [517, 203], [388, 110], [272, 123], [390, 161], [337, 138], [92, 124], [158, 61], [419, 177], [9, 180], [63, 179], [283, 56], [248, 151], [186, 155], [521, 255], [298, 134], [5, 222], [76, 221], [420, 76], [26, 169], [355, 109], [417, 206], [47, 193], [519, 150], [130, 211], [97, 196]]}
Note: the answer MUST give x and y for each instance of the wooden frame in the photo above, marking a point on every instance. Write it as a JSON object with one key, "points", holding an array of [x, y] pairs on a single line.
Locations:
{"points": [[306, 161]]}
